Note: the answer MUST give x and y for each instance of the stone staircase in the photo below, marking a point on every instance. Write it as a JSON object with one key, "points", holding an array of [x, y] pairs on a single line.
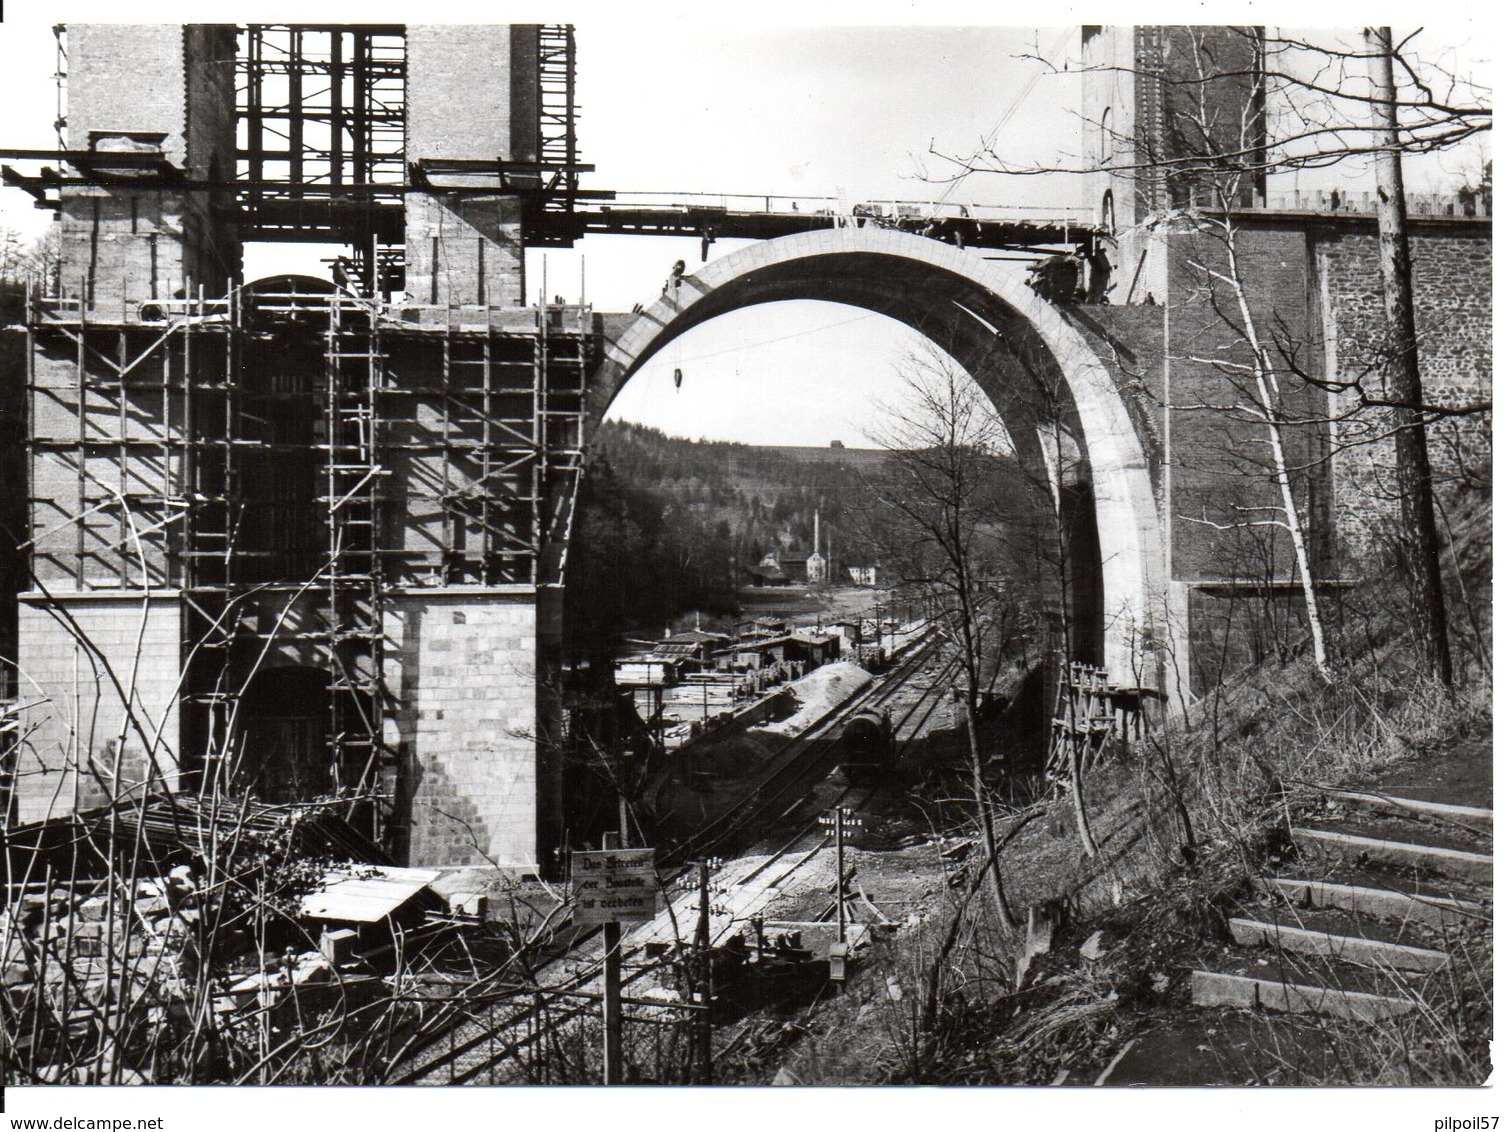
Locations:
{"points": [[1370, 918]]}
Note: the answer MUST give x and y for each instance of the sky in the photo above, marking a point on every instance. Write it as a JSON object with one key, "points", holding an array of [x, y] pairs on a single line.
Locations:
{"points": [[825, 111], [701, 103]]}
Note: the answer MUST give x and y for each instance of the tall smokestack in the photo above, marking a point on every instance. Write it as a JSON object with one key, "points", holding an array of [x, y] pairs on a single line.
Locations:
{"points": [[817, 546]]}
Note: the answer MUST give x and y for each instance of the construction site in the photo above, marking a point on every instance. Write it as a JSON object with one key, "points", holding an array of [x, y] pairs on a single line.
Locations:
{"points": [[308, 487], [297, 785], [324, 520]]}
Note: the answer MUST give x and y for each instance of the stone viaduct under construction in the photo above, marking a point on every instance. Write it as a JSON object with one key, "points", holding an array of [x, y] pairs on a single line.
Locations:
{"points": [[309, 536]]}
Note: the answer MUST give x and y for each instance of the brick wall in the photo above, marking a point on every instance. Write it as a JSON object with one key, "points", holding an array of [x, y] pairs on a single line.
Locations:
{"points": [[1233, 627], [469, 96], [120, 652], [1313, 284], [462, 666], [123, 245], [1222, 475], [459, 94]]}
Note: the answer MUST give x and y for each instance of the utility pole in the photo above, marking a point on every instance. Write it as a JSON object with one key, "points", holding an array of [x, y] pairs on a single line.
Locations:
{"points": [[1401, 366], [612, 991], [704, 1028], [838, 841], [624, 778]]}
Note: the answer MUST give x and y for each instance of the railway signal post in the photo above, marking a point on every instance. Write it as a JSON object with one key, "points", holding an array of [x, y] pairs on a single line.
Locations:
{"points": [[840, 820]]}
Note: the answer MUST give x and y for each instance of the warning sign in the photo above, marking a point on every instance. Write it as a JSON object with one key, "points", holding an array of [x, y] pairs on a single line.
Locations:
{"points": [[614, 886]]}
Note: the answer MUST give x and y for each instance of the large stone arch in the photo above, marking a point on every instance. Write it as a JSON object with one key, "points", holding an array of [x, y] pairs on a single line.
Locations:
{"points": [[1014, 344]]}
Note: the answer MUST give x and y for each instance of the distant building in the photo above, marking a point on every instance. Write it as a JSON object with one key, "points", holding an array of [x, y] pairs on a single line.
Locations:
{"points": [[814, 567], [697, 644], [661, 666], [761, 627], [646, 671], [864, 575], [803, 651], [812, 651], [766, 574], [846, 631]]}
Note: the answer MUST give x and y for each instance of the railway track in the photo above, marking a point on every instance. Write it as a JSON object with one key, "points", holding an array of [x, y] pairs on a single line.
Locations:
{"points": [[499, 1039], [910, 725], [794, 763]]}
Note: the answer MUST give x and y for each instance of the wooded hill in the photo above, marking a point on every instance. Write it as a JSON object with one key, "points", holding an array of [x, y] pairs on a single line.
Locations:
{"points": [[665, 525]]}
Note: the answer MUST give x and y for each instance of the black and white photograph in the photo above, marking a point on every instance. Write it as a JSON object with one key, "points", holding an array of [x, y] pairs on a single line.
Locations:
{"points": [[695, 549]]}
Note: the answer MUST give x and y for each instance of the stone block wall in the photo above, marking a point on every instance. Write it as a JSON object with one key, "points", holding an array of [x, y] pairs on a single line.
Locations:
{"points": [[1453, 283], [471, 94], [106, 668], [464, 249], [463, 668]]}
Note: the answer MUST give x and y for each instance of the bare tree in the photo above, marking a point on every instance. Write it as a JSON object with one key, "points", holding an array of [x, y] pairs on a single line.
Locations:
{"points": [[1314, 96], [948, 449], [1417, 505], [13, 258], [1229, 109], [1256, 383]]}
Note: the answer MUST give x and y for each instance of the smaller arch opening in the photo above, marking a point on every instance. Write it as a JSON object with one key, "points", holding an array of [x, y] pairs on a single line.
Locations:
{"points": [[288, 298]]}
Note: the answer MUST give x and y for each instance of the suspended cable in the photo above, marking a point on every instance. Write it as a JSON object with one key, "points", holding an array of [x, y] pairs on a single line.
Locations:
{"points": [[988, 143], [678, 359]]}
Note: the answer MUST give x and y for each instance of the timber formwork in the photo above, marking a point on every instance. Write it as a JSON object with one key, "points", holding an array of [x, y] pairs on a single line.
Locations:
{"points": [[288, 459]]}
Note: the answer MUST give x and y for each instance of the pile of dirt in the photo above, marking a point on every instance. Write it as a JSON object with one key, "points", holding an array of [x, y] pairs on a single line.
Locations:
{"points": [[818, 693]]}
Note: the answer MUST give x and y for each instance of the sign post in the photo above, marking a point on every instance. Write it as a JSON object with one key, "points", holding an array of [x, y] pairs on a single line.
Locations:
{"points": [[613, 887]]}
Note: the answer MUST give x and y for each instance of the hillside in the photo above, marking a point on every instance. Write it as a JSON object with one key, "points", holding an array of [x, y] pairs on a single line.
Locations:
{"points": [[1197, 829], [766, 495], [666, 526]]}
